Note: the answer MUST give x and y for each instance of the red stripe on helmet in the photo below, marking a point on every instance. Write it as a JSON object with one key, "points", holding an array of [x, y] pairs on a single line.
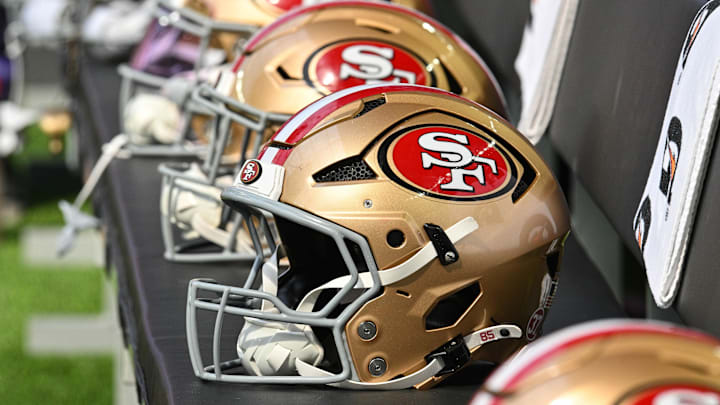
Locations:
{"points": [[281, 156], [306, 126]]}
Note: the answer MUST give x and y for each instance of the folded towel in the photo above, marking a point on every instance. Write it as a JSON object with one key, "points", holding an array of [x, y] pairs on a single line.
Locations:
{"points": [[541, 60], [666, 214]]}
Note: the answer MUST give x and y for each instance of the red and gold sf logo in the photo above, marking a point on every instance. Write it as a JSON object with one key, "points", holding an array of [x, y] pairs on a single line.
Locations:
{"points": [[352, 63], [250, 171], [449, 163], [534, 324]]}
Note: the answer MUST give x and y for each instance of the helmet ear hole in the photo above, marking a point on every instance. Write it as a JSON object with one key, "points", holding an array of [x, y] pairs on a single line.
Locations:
{"points": [[395, 238]]}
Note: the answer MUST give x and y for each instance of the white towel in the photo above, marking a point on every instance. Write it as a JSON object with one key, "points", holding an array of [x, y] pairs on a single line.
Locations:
{"points": [[666, 214], [541, 60]]}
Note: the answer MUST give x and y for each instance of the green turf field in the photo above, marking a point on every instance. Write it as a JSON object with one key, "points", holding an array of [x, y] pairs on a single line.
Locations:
{"points": [[26, 379]]}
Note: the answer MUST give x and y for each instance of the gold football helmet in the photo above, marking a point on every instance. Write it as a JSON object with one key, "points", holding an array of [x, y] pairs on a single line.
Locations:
{"points": [[420, 229], [304, 55], [611, 362], [188, 40]]}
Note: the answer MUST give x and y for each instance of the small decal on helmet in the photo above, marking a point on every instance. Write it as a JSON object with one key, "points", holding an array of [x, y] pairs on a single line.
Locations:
{"points": [[355, 62], [448, 162], [534, 325], [676, 395], [250, 172]]}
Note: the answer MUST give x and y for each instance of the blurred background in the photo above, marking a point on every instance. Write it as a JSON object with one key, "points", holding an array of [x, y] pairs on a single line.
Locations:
{"points": [[59, 341]]}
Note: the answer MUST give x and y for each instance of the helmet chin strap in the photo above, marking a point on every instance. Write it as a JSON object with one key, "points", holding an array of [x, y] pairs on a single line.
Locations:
{"points": [[419, 260], [277, 348], [160, 117], [187, 196], [197, 209], [455, 233], [152, 117], [472, 341], [270, 347]]}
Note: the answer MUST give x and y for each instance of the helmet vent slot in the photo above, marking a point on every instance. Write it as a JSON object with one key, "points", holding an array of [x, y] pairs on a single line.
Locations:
{"points": [[453, 84], [449, 310], [284, 74], [370, 105], [403, 293], [350, 169]]}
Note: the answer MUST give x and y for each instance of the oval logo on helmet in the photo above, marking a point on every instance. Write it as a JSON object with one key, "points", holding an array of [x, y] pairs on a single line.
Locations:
{"points": [[356, 62], [534, 324], [250, 171], [676, 394], [448, 162]]}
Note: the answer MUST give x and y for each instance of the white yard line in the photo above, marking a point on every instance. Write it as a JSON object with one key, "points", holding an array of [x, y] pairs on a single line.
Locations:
{"points": [[38, 249], [86, 334]]}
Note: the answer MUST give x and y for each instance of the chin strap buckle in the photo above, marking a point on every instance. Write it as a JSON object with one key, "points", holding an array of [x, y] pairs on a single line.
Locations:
{"points": [[457, 352], [453, 354]]}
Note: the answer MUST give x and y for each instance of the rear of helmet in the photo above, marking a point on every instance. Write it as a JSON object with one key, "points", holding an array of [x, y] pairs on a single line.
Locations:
{"points": [[625, 362]]}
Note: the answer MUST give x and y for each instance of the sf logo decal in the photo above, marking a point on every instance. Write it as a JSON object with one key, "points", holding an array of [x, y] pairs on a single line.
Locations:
{"points": [[448, 162], [456, 157], [250, 172], [374, 64], [534, 326], [355, 62]]}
